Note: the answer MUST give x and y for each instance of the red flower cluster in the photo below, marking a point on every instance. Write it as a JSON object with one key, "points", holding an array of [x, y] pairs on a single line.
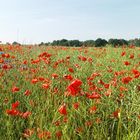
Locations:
{"points": [[126, 80], [15, 112], [62, 109], [74, 87]]}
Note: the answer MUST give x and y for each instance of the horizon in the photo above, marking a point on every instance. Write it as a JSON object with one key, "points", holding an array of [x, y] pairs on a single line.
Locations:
{"points": [[33, 21]]}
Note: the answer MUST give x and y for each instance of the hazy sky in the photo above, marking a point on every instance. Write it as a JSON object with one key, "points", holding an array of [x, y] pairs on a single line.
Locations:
{"points": [[33, 21]]}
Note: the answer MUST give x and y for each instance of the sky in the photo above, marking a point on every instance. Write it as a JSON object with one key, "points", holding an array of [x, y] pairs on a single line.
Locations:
{"points": [[35, 21]]}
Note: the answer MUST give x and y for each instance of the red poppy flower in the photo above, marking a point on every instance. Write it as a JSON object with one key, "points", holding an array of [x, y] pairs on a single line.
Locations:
{"points": [[131, 56], [121, 95], [94, 95], [62, 109], [13, 112], [108, 92], [136, 73], [127, 63], [88, 123], [41, 78], [34, 81], [68, 77], [27, 92], [28, 132], [26, 114], [101, 82], [123, 89], [92, 109], [5, 67], [15, 105], [76, 105], [25, 62], [44, 135], [123, 53], [15, 89], [90, 60], [54, 75], [58, 134], [126, 80], [116, 113], [106, 86], [45, 86], [1, 61], [74, 87], [71, 70]]}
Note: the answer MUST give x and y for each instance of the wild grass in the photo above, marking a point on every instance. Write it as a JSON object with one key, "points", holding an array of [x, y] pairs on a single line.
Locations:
{"points": [[115, 114]]}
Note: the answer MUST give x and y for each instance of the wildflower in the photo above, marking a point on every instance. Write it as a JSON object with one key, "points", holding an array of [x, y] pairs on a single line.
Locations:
{"points": [[27, 92], [41, 78], [106, 86], [94, 95], [131, 56], [25, 62], [76, 105], [79, 129], [5, 67], [126, 80], [15, 105], [34, 81], [54, 75], [123, 89], [123, 53], [62, 109], [58, 134], [68, 77], [45, 86], [74, 87], [116, 114], [15, 89], [57, 123], [26, 114], [88, 123], [108, 92], [92, 109], [28, 133], [126, 63], [44, 135], [13, 112], [71, 70], [136, 73]]}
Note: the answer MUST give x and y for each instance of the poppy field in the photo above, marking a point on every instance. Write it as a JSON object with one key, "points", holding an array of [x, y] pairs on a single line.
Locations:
{"points": [[69, 93]]}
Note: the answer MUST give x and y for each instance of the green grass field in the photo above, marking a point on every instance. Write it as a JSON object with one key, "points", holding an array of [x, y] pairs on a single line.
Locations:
{"points": [[69, 93]]}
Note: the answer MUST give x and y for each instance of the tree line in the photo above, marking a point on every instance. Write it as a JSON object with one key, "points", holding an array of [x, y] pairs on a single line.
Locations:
{"points": [[91, 43]]}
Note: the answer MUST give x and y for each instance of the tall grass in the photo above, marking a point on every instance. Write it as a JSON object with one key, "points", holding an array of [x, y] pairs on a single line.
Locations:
{"points": [[115, 115]]}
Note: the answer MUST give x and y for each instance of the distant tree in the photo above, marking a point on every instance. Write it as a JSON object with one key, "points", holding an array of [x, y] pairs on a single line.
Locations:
{"points": [[75, 43], [15, 43], [117, 42], [100, 42], [41, 44], [124, 42], [113, 42], [89, 43], [55, 43], [135, 42], [63, 42], [47, 44]]}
